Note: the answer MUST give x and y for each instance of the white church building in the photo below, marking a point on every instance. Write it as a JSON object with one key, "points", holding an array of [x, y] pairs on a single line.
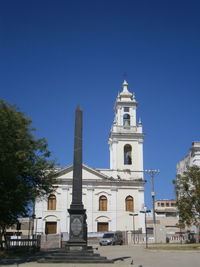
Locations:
{"points": [[109, 195], [191, 159]]}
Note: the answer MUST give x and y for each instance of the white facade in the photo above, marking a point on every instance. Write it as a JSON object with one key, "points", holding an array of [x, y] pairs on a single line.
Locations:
{"points": [[122, 182], [125, 132], [193, 158]]}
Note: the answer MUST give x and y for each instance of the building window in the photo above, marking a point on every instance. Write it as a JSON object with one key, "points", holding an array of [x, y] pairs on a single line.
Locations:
{"points": [[126, 120], [162, 204], [126, 109], [158, 204], [149, 230], [127, 155], [167, 204], [51, 228], [103, 203], [129, 203], [52, 202]]}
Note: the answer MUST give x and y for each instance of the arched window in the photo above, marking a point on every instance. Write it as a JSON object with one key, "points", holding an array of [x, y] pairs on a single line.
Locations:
{"points": [[127, 155], [129, 203], [52, 202], [126, 120], [103, 203]]}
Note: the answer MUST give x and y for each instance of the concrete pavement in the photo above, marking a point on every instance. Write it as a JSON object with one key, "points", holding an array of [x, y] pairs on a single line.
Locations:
{"points": [[131, 256], [153, 258]]}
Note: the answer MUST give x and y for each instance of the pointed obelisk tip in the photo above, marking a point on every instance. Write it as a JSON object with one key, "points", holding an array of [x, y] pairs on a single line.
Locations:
{"points": [[79, 107]]}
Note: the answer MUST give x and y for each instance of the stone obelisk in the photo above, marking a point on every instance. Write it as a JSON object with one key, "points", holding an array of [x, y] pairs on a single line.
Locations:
{"points": [[77, 250], [78, 225]]}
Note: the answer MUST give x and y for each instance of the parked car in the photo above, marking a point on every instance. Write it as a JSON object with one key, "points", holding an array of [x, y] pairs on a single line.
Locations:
{"points": [[111, 238]]}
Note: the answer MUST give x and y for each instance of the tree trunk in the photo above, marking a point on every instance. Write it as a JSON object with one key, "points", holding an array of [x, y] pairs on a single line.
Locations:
{"points": [[1, 241], [2, 234], [198, 233]]}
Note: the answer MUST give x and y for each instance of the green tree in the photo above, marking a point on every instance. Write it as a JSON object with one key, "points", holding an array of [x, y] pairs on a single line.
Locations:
{"points": [[187, 187], [26, 171]]}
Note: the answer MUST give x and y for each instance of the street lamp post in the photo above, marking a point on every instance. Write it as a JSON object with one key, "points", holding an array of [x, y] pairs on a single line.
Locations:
{"points": [[133, 215], [145, 211], [32, 224], [29, 227], [36, 220], [152, 174]]}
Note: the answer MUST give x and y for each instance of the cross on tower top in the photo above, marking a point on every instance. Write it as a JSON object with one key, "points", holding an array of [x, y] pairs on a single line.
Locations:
{"points": [[125, 75]]}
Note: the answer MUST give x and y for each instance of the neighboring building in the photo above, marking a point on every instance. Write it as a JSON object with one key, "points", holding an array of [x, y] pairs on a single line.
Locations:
{"points": [[22, 234], [24, 228], [193, 158], [166, 211], [109, 195], [166, 208], [166, 220]]}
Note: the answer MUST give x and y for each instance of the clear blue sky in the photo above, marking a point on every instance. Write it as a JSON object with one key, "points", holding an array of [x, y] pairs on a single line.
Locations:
{"points": [[56, 54]]}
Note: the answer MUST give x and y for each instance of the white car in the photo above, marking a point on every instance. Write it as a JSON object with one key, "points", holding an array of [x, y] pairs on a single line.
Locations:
{"points": [[111, 238]]}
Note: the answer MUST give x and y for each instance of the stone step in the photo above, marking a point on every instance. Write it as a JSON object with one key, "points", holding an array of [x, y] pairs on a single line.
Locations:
{"points": [[73, 254], [99, 260], [72, 257]]}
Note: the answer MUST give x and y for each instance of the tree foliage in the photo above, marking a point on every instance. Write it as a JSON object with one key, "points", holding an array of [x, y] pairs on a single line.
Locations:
{"points": [[26, 170], [187, 189]]}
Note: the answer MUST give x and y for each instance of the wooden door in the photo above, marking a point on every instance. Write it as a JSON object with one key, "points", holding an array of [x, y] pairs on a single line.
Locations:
{"points": [[102, 227], [51, 228]]}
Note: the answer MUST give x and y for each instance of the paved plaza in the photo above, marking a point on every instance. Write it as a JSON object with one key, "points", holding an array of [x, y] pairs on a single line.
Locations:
{"points": [[130, 256], [153, 258]]}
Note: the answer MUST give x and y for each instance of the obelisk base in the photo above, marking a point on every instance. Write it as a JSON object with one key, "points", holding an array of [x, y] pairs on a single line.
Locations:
{"points": [[78, 230]]}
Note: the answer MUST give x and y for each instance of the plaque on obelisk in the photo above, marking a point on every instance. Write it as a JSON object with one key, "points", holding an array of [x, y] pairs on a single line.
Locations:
{"points": [[78, 225]]}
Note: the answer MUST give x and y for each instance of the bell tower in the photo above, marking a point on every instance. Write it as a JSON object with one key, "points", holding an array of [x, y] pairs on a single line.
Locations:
{"points": [[126, 138]]}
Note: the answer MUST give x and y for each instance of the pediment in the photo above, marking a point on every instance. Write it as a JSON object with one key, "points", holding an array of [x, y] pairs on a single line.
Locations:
{"points": [[88, 173]]}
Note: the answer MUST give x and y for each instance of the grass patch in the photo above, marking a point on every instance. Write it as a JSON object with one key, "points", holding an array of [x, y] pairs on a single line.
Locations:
{"points": [[180, 247]]}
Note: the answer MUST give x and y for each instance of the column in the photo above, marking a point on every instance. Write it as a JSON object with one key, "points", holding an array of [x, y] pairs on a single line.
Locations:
{"points": [[90, 190], [113, 208]]}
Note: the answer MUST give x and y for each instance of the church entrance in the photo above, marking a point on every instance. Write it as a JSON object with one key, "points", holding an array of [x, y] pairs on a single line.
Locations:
{"points": [[102, 227], [51, 228]]}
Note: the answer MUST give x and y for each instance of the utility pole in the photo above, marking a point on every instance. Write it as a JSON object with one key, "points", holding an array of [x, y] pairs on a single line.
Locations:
{"points": [[152, 174]]}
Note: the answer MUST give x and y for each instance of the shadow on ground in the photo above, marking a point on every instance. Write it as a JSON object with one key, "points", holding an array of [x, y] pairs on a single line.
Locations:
{"points": [[26, 257], [22, 257]]}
